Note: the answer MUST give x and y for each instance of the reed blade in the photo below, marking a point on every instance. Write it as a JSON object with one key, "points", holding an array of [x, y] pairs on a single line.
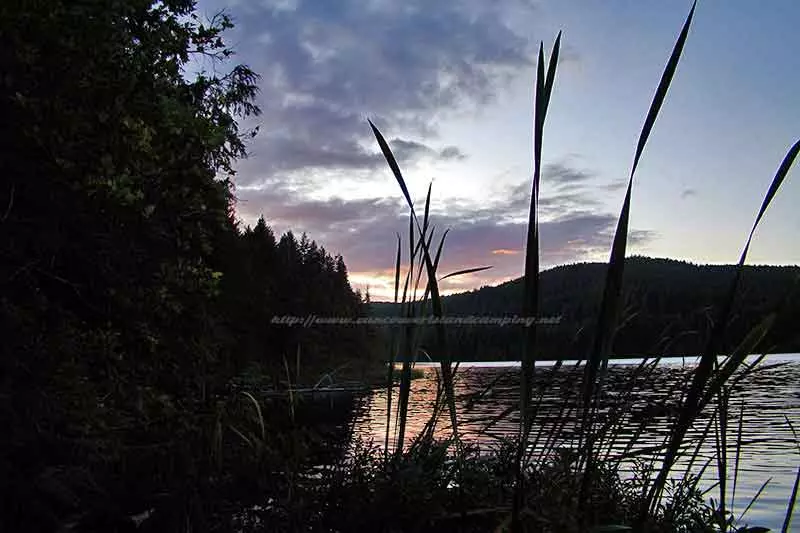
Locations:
{"points": [[754, 498], [745, 348], [544, 86], [392, 348], [390, 159], [426, 213], [737, 457], [465, 271], [609, 308], [397, 268], [703, 374], [436, 302], [787, 522], [612, 291]]}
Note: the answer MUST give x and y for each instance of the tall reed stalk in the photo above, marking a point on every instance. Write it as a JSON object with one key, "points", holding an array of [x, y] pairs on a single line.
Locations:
{"points": [[708, 384], [530, 303], [424, 234]]}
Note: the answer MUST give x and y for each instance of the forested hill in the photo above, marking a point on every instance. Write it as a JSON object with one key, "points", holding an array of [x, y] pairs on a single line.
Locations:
{"points": [[666, 310], [131, 298]]}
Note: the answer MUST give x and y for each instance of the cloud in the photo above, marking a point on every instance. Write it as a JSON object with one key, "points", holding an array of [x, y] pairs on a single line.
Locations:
{"points": [[405, 150], [616, 185], [564, 176], [327, 66], [287, 210], [564, 189], [452, 152], [572, 228]]}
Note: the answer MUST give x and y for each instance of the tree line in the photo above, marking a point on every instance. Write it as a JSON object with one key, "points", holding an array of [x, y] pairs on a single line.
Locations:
{"points": [[667, 310], [131, 295]]}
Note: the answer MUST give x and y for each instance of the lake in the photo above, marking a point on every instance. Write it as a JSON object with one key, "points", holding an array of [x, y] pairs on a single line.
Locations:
{"points": [[770, 396]]}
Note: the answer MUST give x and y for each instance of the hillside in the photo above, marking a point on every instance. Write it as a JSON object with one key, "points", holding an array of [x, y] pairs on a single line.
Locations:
{"points": [[667, 309]]}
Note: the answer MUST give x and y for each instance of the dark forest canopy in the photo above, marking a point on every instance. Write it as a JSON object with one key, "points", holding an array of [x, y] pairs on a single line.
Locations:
{"points": [[132, 300], [269, 278], [666, 309], [130, 296]]}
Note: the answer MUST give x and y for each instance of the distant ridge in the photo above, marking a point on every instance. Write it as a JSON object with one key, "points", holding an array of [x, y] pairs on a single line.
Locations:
{"points": [[666, 311]]}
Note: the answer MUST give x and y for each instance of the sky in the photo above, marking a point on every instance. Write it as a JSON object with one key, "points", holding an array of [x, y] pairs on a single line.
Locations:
{"points": [[450, 85]]}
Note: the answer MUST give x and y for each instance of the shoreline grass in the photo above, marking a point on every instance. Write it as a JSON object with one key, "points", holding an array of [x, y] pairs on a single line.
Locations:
{"points": [[542, 478], [708, 388], [145, 388]]}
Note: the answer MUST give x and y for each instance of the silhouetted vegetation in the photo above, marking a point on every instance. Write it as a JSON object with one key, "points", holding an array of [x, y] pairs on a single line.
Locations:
{"points": [[656, 502], [135, 317], [130, 295], [667, 310], [266, 279]]}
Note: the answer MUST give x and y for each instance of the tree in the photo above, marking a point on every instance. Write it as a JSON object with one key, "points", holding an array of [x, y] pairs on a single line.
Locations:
{"points": [[113, 220], [131, 298]]}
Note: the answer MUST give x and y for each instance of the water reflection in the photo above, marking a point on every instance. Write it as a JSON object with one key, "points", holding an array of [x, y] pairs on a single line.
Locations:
{"points": [[484, 392]]}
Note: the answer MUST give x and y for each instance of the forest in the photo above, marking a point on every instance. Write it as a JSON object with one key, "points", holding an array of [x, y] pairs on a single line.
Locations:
{"points": [[666, 310], [131, 294], [135, 309]]}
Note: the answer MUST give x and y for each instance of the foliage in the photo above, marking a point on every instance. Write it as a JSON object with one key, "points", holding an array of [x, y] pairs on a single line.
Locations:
{"points": [[135, 312], [126, 282], [267, 278], [436, 487], [665, 311], [585, 469]]}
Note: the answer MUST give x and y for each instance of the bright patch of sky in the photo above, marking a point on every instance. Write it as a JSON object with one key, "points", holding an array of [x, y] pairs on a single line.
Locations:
{"points": [[450, 84]]}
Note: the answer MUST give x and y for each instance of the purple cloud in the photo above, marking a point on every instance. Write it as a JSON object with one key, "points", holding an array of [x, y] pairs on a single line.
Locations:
{"points": [[573, 228], [326, 66]]}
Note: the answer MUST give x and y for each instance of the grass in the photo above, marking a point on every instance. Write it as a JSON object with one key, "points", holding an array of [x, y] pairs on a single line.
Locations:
{"points": [[708, 385], [543, 478]]}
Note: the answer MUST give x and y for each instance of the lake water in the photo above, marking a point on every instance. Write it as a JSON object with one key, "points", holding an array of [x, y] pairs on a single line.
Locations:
{"points": [[770, 396]]}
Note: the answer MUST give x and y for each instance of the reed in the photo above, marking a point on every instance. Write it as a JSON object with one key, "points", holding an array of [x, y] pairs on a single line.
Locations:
{"points": [[590, 458]]}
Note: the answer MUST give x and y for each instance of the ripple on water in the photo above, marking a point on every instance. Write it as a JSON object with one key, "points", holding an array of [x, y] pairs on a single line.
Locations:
{"points": [[770, 396]]}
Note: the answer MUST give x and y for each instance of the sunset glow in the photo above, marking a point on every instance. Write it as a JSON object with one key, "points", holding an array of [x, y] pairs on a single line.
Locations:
{"points": [[454, 101]]}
